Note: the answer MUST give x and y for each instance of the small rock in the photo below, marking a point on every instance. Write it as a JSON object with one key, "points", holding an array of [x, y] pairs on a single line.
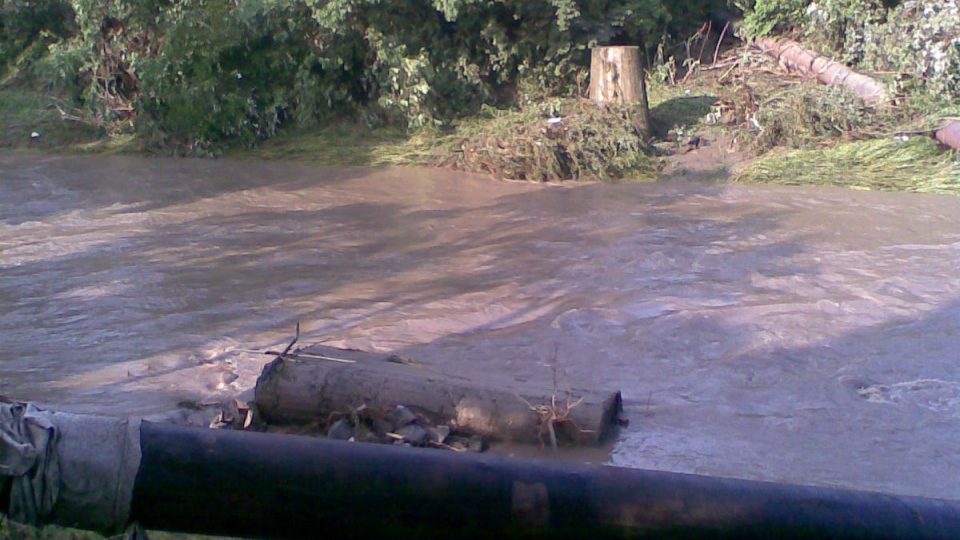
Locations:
{"points": [[403, 416], [340, 430], [477, 444], [439, 434], [695, 142], [414, 434], [381, 427], [458, 443]]}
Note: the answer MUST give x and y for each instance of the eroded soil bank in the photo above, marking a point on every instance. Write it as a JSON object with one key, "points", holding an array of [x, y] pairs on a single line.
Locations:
{"points": [[807, 335]]}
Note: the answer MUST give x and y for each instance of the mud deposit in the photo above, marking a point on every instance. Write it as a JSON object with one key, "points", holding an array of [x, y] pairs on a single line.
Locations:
{"points": [[802, 335]]}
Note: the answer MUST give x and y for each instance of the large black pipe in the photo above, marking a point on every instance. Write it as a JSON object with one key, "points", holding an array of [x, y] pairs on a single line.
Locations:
{"points": [[253, 484]]}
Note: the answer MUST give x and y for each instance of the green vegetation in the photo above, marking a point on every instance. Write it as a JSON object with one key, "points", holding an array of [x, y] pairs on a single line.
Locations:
{"points": [[915, 44], [517, 144], [25, 112], [469, 84], [198, 75], [916, 164]]}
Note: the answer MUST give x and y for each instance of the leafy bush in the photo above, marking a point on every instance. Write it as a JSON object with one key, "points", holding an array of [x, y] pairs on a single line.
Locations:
{"points": [[921, 40], [766, 17], [31, 24], [194, 73]]}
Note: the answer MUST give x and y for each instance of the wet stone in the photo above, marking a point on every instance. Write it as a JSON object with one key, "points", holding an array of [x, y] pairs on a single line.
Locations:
{"points": [[381, 427], [341, 429], [439, 434], [402, 416], [414, 434], [476, 444]]}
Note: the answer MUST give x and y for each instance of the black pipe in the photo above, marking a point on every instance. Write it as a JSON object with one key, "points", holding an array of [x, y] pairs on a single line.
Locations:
{"points": [[254, 484]]}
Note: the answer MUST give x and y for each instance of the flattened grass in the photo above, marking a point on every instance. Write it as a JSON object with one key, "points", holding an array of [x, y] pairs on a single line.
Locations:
{"points": [[24, 112], [918, 164]]}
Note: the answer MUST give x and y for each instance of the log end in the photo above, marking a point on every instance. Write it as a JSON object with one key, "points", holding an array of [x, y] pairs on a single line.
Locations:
{"points": [[612, 411]]}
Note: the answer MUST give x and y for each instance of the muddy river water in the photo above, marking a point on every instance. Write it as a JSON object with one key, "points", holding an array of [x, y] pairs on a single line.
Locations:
{"points": [[806, 335]]}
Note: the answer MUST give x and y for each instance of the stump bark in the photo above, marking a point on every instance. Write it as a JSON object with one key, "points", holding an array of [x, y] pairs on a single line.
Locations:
{"points": [[303, 388], [617, 77]]}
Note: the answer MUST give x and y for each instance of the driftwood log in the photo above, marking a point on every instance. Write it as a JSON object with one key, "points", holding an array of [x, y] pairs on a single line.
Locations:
{"points": [[318, 382], [793, 57], [617, 77]]}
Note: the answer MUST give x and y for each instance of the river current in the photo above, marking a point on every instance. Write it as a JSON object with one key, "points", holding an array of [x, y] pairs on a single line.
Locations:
{"points": [[807, 335]]}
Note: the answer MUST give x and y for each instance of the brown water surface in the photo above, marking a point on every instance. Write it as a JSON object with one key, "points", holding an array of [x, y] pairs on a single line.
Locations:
{"points": [[793, 334]]}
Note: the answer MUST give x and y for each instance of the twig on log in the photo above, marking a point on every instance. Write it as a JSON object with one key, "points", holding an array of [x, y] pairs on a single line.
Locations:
{"points": [[310, 356], [293, 342]]}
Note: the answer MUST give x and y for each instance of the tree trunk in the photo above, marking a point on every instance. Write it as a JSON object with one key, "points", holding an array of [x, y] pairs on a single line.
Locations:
{"points": [[320, 381], [617, 77], [793, 57]]}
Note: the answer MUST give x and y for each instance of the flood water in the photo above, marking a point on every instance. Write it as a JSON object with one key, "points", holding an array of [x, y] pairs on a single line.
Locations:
{"points": [[805, 335]]}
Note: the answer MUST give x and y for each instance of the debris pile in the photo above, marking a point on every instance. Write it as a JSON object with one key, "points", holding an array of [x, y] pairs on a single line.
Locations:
{"points": [[564, 140]]}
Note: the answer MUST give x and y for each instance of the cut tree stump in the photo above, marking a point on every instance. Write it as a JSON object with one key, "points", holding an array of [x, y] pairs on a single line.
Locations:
{"points": [[617, 77], [321, 381]]}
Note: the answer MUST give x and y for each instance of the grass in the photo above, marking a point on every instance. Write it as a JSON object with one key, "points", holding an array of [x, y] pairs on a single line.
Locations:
{"points": [[915, 165], [24, 112], [508, 143], [678, 108], [346, 144]]}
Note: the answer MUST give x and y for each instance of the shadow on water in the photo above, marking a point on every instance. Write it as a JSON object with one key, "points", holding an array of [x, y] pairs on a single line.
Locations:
{"points": [[749, 337], [52, 186]]}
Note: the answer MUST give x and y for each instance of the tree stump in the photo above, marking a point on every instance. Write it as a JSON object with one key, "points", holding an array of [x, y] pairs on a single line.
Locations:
{"points": [[617, 77]]}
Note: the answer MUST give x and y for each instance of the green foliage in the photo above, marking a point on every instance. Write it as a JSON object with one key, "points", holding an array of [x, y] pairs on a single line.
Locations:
{"points": [[918, 41], [197, 73], [768, 17], [921, 41], [27, 27], [847, 27], [809, 115], [225, 72], [917, 164]]}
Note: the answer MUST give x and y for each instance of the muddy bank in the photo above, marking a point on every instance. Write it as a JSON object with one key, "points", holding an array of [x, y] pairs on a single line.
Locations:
{"points": [[805, 335]]}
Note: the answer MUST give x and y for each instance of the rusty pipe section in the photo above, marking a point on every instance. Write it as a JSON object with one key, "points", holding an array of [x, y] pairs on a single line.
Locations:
{"points": [[949, 135]]}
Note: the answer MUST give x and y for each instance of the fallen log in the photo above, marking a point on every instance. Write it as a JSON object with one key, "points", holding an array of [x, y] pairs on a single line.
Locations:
{"points": [[793, 57], [949, 135], [241, 483], [319, 382]]}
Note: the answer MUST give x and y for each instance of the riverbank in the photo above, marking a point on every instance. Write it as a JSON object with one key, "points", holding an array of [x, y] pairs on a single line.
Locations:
{"points": [[737, 119]]}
